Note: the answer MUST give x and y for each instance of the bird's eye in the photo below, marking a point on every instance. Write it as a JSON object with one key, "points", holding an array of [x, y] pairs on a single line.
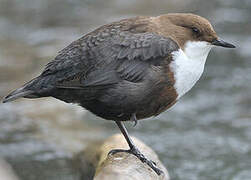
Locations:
{"points": [[195, 30]]}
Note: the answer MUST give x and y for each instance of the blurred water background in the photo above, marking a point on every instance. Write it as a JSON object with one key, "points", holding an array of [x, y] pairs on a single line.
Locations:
{"points": [[206, 135]]}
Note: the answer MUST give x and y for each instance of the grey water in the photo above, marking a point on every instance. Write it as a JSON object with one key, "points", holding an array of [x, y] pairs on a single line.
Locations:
{"points": [[206, 135]]}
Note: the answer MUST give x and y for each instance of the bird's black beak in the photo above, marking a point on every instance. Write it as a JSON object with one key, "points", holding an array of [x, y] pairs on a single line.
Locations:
{"points": [[219, 42]]}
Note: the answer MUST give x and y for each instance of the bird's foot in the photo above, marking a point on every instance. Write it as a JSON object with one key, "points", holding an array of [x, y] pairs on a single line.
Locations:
{"points": [[140, 156], [115, 151]]}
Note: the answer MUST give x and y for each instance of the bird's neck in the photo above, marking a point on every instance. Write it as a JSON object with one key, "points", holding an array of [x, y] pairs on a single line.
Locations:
{"points": [[197, 50], [188, 65]]}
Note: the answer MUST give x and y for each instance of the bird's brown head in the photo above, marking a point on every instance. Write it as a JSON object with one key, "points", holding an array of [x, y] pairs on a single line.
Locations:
{"points": [[184, 27]]}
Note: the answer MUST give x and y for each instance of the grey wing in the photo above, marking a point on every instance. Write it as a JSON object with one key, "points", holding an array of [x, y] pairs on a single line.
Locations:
{"points": [[121, 56]]}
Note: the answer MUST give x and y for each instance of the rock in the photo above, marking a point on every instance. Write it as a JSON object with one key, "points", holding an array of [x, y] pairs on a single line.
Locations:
{"points": [[6, 172], [125, 166]]}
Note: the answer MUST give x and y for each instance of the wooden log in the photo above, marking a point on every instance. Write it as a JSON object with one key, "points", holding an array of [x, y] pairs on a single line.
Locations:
{"points": [[125, 166]]}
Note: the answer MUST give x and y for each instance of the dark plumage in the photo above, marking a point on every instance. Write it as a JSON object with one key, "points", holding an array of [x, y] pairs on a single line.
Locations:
{"points": [[122, 71], [115, 71]]}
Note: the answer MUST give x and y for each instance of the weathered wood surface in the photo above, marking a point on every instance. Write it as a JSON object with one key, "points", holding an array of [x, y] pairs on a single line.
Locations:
{"points": [[125, 166]]}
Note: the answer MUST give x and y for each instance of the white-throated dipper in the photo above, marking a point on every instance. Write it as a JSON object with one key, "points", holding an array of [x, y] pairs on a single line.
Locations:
{"points": [[129, 70]]}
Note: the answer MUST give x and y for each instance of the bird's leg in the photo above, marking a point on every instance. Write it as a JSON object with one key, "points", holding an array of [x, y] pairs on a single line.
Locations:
{"points": [[134, 150], [134, 119]]}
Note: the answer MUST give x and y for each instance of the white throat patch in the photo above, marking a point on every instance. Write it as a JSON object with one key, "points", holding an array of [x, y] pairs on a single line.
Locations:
{"points": [[188, 65]]}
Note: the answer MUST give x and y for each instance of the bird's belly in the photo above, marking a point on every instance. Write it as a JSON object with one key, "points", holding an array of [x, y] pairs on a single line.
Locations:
{"points": [[119, 105], [144, 110]]}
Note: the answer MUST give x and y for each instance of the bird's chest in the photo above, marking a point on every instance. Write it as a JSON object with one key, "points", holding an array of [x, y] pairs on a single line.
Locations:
{"points": [[187, 71]]}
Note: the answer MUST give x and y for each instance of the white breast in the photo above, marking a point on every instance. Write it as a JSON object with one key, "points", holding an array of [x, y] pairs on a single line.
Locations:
{"points": [[188, 65]]}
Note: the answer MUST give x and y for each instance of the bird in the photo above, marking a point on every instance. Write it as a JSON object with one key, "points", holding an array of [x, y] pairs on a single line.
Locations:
{"points": [[129, 70]]}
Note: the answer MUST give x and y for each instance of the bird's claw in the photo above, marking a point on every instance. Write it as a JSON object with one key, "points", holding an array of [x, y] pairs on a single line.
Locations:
{"points": [[114, 151], [140, 156], [134, 119]]}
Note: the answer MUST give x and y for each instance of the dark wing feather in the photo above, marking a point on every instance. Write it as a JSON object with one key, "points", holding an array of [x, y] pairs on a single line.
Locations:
{"points": [[97, 78], [108, 56]]}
